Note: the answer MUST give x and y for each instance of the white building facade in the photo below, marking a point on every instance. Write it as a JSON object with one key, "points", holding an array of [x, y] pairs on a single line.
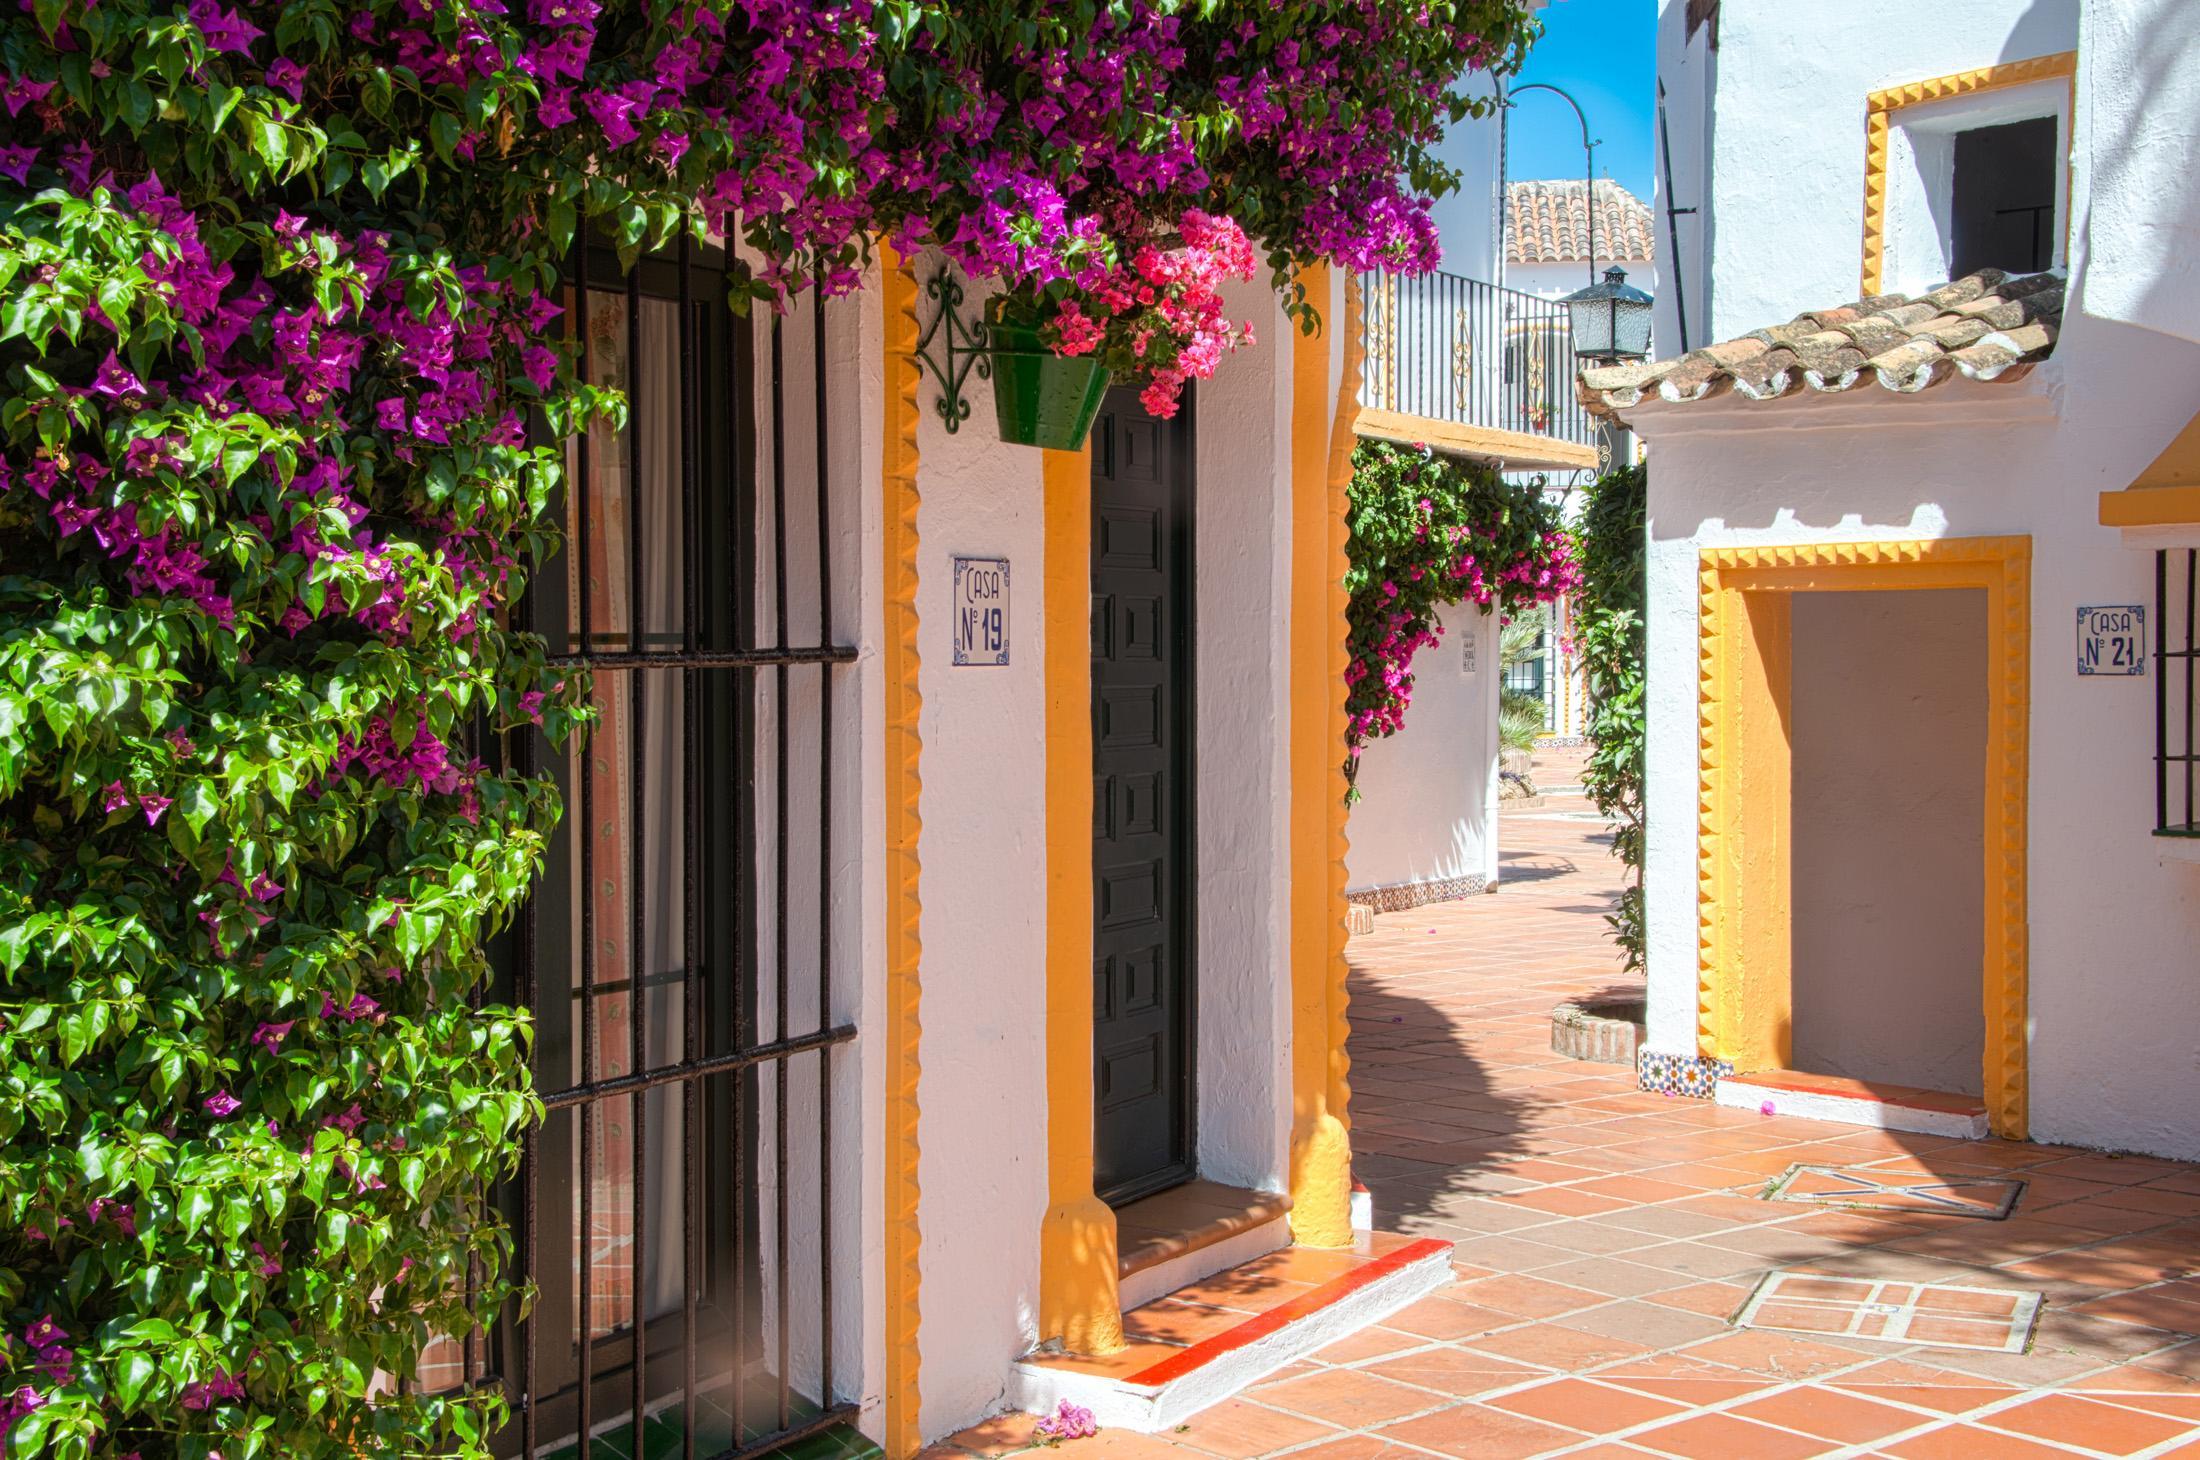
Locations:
{"points": [[1919, 849]]}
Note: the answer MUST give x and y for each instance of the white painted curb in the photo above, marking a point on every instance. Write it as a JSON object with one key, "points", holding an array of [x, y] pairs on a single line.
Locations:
{"points": [[1739, 1094], [1117, 1404]]}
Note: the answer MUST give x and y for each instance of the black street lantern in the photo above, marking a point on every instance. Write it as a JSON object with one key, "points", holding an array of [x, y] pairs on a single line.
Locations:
{"points": [[1611, 320]]}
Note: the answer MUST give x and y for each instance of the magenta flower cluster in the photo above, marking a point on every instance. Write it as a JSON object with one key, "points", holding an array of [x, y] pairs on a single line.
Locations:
{"points": [[1159, 318], [1426, 533]]}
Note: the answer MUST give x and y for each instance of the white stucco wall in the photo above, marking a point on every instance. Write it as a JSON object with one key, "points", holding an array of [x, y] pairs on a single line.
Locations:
{"points": [[1887, 726], [1428, 794], [1786, 152], [1688, 76], [2138, 91], [1467, 220], [1241, 539], [983, 1109], [1558, 279]]}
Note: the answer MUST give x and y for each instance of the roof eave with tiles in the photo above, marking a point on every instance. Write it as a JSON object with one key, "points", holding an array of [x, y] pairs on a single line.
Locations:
{"points": [[1984, 326]]}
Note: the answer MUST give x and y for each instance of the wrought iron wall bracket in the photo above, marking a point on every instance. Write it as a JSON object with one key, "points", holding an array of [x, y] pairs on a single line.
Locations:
{"points": [[961, 347]]}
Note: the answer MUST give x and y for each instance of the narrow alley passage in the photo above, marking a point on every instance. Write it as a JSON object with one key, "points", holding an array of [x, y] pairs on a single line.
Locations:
{"points": [[1608, 1239]]}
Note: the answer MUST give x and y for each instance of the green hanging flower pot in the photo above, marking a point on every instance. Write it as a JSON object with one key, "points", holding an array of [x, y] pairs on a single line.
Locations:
{"points": [[1041, 398]]}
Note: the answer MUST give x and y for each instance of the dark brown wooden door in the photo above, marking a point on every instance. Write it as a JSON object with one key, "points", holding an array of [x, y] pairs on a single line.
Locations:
{"points": [[1142, 798]]}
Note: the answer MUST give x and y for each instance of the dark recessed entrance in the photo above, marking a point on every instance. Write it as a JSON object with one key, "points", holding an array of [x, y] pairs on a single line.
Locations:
{"points": [[1142, 799]]}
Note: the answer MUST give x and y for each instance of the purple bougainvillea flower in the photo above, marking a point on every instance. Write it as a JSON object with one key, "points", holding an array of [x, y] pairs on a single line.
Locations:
{"points": [[221, 1104], [270, 1036], [154, 806], [1068, 1422], [15, 162], [114, 798], [116, 381], [44, 1333], [288, 77]]}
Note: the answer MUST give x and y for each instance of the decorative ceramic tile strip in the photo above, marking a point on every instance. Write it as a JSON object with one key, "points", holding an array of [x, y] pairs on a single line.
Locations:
{"points": [[1402, 896], [1998, 1320], [1990, 1198], [1695, 1076]]}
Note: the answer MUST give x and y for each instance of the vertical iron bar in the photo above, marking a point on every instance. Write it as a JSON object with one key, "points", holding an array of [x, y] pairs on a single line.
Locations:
{"points": [[740, 603], [585, 834], [2192, 580], [637, 691], [779, 832], [2161, 689], [691, 850], [824, 862]]}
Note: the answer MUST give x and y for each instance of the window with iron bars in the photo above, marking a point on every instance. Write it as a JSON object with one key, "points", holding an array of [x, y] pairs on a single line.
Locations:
{"points": [[675, 1210]]}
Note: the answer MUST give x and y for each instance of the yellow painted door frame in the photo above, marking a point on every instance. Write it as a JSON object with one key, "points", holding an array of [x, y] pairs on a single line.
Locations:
{"points": [[1744, 921], [1322, 420], [1078, 1299]]}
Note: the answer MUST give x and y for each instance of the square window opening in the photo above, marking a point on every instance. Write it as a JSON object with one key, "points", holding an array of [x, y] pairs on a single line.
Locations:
{"points": [[2002, 198]]}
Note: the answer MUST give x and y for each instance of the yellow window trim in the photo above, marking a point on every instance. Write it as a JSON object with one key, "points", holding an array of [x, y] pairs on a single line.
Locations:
{"points": [[1742, 906], [1879, 110], [903, 744]]}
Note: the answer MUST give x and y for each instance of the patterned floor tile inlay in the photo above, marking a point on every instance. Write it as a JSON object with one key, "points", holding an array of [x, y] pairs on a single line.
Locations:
{"points": [[1990, 1198], [1939, 1315]]}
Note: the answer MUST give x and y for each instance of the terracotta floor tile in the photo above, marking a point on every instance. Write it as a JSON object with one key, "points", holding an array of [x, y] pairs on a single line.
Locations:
{"points": [[1777, 1356], [1721, 1300], [1463, 1373], [1831, 1415], [1966, 1442], [1441, 1318], [2066, 1419], [1482, 1433], [1640, 1321], [1004, 1434], [1169, 1321], [1250, 1293], [1581, 1404], [1619, 1277], [1526, 1297], [1360, 1447], [1368, 1343], [1723, 1437], [1239, 1430], [1556, 1347], [1348, 1398], [1565, 1201]]}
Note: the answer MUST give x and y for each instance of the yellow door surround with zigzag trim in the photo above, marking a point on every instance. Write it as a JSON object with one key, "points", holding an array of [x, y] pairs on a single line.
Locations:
{"points": [[1879, 113], [1743, 915]]}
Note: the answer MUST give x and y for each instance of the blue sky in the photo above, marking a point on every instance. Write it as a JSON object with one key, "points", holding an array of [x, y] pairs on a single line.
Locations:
{"points": [[1605, 53]]}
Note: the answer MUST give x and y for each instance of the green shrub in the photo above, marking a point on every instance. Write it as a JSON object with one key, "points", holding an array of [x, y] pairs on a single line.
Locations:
{"points": [[1611, 644]]}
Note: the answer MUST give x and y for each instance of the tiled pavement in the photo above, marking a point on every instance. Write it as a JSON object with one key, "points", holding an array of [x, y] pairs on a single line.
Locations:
{"points": [[1607, 1237]]}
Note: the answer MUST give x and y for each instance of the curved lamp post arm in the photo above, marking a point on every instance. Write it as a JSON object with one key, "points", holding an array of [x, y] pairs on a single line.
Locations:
{"points": [[1589, 153]]}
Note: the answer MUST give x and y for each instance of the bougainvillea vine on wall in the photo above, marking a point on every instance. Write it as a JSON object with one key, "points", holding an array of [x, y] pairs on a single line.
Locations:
{"points": [[1426, 532], [279, 315]]}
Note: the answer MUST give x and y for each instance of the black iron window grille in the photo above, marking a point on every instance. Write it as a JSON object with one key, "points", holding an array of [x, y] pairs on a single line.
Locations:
{"points": [[2176, 578], [675, 1211]]}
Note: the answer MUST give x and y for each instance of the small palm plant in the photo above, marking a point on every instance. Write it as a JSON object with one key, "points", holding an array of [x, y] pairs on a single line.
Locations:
{"points": [[1520, 712]]}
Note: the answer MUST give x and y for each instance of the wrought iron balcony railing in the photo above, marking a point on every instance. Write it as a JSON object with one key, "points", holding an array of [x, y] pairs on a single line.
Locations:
{"points": [[1447, 348]]}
